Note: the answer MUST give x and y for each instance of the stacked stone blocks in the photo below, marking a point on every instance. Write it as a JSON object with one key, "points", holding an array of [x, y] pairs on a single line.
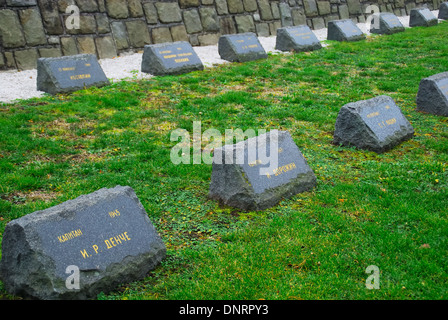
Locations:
{"points": [[30, 29]]}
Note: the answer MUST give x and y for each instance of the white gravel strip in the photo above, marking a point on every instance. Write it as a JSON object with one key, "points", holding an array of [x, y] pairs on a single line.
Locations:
{"points": [[22, 84]]}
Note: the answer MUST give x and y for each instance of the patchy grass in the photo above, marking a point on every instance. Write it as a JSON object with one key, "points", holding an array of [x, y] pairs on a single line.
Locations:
{"points": [[387, 210]]}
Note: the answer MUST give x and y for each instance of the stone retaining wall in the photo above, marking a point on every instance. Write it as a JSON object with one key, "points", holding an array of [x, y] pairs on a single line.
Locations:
{"points": [[30, 29]]}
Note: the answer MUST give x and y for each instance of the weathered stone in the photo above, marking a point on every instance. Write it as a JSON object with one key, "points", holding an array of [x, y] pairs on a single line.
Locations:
{"points": [[275, 11], [210, 39], [432, 96], [310, 7], [106, 47], [259, 172], [354, 6], [285, 15], [150, 12], [120, 35], [63, 4], [318, 23], [135, 8], [69, 47], [50, 13], [161, 35], [344, 30], [102, 22], [86, 45], [274, 26], [32, 27], [117, 9], [10, 60], [26, 59], [170, 59], [209, 19], [179, 33], [192, 21], [386, 23], [50, 52], [343, 12], [422, 17], [208, 2], [323, 7], [443, 11], [21, 3], [138, 33], [331, 17], [297, 39], [168, 12], [189, 3], [10, 29], [227, 25], [87, 24], [376, 124], [41, 250], [262, 29], [2, 60], [250, 5], [221, 7], [245, 24], [87, 5], [265, 10], [298, 17], [241, 47], [235, 6]]}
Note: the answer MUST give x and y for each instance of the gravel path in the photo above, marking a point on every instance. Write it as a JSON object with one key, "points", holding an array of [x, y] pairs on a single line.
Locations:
{"points": [[22, 84]]}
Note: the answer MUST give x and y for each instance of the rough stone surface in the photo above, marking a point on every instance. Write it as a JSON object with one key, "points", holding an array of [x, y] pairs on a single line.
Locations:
{"points": [[106, 235], [106, 47], [170, 59], [209, 19], [285, 15], [168, 12], [26, 59], [161, 35], [138, 33], [298, 39], [443, 11], [432, 96], [310, 7], [376, 124], [69, 74], [33, 27], [68, 45], [235, 6], [422, 17], [344, 30], [150, 12], [388, 24], [241, 47], [245, 24], [238, 179], [192, 21], [120, 35], [117, 9], [10, 29]]}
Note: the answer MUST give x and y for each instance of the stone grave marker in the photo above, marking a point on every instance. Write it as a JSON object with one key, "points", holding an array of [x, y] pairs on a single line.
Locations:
{"points": [[388, 24], [344, 30], [170, 59], [376, 124], [259, 172], [432, 95], [298, 39], [422, 17], [69, 73], [443, 11], [80, 247], [240, 47]]}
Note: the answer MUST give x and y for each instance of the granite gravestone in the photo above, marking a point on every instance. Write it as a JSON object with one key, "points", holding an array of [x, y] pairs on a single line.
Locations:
{"points": [[387, 23], [298, 39], [344, 30], [69, 73], [81, 247], [257, 173], [170, 59], [241, 47], [422, 17], [443, 11], [432, 95], [376, 124]]}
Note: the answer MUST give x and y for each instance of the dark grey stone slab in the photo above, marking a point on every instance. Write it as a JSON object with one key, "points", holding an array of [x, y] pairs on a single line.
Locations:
{"points": [[170, 59], [106, 235], [443, 11], [388, 24], [298, 39], [432, 96], [70, 73], [344, 30], [422, 17], [241, 47], [257, 173], [376, 124]]}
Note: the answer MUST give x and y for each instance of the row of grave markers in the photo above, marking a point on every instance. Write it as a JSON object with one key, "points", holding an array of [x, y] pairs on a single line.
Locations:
{"points": [[98, 241]]}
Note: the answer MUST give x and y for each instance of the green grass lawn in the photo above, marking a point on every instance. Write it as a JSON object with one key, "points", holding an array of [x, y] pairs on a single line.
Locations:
{"points": [[388, 210]]}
